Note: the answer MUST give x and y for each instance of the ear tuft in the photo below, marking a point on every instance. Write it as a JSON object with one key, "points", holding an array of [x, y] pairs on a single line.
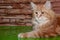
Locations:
{"points": [[33, 6], [48, 5]]}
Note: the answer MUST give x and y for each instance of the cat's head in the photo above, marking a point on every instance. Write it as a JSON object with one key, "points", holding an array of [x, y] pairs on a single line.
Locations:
{"points": [[42, 10]]}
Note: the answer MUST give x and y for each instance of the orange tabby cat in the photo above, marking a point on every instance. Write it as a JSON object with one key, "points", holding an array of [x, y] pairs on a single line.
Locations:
{"points": [[44, 21]]}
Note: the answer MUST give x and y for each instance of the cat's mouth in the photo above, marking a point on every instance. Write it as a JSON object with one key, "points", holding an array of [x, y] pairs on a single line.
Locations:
{"points": [[41, 20]]}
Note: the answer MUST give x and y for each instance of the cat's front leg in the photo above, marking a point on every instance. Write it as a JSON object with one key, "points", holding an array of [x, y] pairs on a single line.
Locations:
{"points": [[27, 35], [32, 34]]}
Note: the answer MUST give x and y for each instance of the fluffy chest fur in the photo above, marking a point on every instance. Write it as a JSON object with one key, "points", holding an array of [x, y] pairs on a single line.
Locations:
{"points": [[41, 21]]}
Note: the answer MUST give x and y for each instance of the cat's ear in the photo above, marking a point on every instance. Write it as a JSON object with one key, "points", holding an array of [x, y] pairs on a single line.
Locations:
{"points": [[33, 6], [48, 5]]}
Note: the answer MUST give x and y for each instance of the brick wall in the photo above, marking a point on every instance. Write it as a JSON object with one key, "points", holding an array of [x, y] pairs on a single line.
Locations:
{"points": [[18, 12]]}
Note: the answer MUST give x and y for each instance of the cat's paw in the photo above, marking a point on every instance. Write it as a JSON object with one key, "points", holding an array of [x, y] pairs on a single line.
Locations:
{"points": [[20, 35]]}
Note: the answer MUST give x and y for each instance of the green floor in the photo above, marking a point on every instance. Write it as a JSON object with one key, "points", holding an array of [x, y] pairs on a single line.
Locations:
{"points": [[11, 32]]}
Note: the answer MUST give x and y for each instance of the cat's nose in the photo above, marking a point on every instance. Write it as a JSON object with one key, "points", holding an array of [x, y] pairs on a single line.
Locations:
{"points": [[40, 16]]}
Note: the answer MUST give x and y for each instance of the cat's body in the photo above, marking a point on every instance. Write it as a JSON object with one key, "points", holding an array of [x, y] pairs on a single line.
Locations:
{"points": [[44, 21]]}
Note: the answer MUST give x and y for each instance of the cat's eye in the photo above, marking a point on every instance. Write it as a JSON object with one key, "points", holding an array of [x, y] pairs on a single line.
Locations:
{"points": [[36, 12], [42, 12]]}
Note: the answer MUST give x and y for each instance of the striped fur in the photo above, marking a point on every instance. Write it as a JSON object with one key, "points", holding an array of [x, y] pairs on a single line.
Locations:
{"points": [[44, 21]]}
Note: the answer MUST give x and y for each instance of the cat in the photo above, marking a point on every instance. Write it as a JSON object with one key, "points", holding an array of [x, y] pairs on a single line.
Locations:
{"points": [[44, 22]]}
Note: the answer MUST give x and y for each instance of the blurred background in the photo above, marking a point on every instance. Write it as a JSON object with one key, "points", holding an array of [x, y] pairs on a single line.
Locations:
{"points": [[19, 13]]}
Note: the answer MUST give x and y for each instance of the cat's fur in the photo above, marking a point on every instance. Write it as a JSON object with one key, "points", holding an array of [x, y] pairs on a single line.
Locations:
{"points": [[44, 21]]}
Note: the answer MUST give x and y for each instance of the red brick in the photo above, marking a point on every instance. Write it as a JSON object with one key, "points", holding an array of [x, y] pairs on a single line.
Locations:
{"points": [[5, 4], [8, 24], [4, 21], [2, 10], [12, 9], [12, 20], [14, 17], [25, 6], [39, 1], [28, 24], [56, 4], [28, 20], [28, 16], [19, 21], [6, 7], [20, 1], [57, 0], [3, 14], [53, 0], [18, 11], [56, 9], [21, 24], [0, 20], [14, 1]]}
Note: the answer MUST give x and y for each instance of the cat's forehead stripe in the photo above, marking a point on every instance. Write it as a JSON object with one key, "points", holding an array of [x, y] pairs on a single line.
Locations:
{"points": [[39, 7]]}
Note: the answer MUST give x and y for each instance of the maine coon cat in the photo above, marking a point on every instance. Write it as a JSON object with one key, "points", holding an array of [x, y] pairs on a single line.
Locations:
{"points": [[44, 21]]}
